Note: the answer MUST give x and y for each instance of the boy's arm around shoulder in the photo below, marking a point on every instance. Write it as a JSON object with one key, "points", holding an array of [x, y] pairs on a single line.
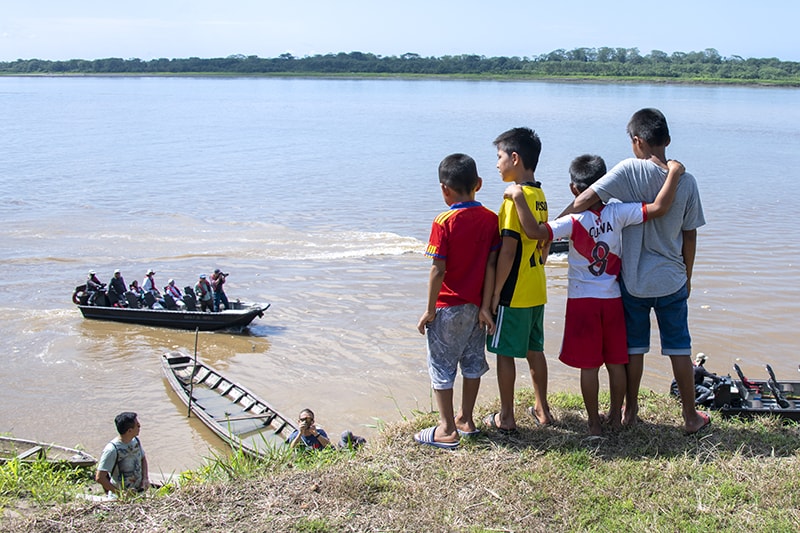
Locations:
{"points": [[666, 195], [532, 227]]}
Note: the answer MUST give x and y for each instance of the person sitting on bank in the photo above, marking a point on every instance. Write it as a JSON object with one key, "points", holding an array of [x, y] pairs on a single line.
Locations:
{"points": [[116, 290], [308, 435], [205, 296], [123, 465], [93, 287]]}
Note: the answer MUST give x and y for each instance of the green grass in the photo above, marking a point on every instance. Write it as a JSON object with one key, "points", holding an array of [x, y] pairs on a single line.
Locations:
{"points": [[736, 475]]}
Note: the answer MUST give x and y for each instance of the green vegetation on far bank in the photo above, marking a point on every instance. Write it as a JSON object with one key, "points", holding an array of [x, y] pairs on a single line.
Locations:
{"points": [[609, 64], [736, 475]]}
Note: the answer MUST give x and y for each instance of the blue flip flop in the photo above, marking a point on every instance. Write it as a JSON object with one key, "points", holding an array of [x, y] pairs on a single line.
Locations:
{"points": [[426, 436]]}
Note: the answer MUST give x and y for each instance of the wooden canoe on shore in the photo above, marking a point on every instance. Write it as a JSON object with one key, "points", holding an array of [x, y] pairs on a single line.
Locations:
{"points": [[29, 451], [230, 410]]}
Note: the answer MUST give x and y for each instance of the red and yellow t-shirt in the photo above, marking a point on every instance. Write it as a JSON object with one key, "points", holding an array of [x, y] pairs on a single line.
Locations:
{"points": [[463, 237]]}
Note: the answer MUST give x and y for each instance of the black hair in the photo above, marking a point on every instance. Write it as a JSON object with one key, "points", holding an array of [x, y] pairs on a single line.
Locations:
{"points": [[525, 142], [650, 125], [585, 170], [459, 172], [309, 411], [125, 421]]}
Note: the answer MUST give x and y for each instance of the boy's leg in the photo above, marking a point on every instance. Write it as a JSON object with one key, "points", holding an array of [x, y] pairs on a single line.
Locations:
{"points": [[683, 370], [506, 378], [633, 375], [590, 388], [446, 432], [538, 368], [617, 384], [469, 394]]}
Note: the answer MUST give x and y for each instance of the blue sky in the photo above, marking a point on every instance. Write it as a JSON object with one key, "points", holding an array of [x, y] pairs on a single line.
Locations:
{"points": [[90, 29]]}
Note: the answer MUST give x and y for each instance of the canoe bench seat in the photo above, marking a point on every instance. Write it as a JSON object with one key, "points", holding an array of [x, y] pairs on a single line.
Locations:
{"points": [[35, 450]]}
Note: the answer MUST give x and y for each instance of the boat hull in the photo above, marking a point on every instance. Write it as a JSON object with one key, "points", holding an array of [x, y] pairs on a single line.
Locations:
{"points": [[233, 412], [204, 321], [30, 451]]}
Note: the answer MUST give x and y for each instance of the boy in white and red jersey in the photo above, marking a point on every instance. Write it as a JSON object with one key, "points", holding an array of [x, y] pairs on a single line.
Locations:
{"points": [[463, 244], [594, 327]]}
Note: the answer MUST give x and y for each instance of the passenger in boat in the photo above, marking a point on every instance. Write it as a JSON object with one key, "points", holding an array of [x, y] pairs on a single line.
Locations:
{"points": [[149, 283], [217, 283], [462, 246], [594, 328], [123, 464], [205, 295], [175, 292], [136, 289], [149, 286], [657, 260], [116, 290], [94, 287], [308, 435], [702, 392]]}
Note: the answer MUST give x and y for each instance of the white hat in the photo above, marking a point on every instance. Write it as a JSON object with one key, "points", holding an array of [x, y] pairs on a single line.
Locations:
{"points": [[92, 272], [116, 271], [171, 282], [150, 271]]}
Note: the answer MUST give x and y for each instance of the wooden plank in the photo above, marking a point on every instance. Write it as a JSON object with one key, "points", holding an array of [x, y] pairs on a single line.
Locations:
{"points": [[29, 452]]}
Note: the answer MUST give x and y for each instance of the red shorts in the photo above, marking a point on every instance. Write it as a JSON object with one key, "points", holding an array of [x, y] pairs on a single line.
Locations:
{"points": [[594, 333]]}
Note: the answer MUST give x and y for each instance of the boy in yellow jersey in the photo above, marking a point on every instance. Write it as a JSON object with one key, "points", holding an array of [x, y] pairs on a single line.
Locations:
{"points": [[519, 288]]}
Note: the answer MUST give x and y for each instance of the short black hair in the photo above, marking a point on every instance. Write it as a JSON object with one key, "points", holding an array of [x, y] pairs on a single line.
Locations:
{"points": [[309, 411], [585, 170], [459, 172], [650, 125], [125, 421], [525, 142]]}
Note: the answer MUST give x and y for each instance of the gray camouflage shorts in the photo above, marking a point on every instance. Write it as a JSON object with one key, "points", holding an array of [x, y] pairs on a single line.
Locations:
{"points": [[455, 337]]}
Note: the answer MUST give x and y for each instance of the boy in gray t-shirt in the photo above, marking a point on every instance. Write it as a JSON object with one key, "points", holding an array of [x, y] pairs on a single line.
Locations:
{"points": [[657, 260]]}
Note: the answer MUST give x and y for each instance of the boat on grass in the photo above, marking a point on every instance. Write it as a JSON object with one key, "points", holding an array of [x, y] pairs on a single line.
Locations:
{"points": [[30, 451], [748, 398], [238, 316], [235, 413]]}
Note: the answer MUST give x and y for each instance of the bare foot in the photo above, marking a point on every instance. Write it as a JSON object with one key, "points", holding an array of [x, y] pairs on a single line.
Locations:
{"points": [[595, 430], [542, 417], [465, 426], [630, 417], [698, 422]]}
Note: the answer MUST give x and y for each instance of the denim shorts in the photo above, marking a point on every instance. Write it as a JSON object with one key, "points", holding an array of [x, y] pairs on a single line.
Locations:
{"points": [[672, 314], [456, 338]]}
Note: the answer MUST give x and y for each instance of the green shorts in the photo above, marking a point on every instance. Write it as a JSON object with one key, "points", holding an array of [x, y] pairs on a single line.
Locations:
{"points": [[519, 330]]}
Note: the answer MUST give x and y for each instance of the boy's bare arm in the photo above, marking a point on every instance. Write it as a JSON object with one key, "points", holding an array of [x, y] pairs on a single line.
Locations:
{"points": [[485, 317], [505, 261], [434, 286], [666, 195], [532, 228], [581, 203], [689, 250]]}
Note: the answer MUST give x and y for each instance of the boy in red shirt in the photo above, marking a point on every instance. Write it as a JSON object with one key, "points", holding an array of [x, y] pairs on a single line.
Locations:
{"points": [[463, 244]]}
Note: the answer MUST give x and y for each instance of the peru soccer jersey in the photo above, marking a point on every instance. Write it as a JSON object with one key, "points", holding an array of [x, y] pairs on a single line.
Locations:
{"points": [[463, 237], [595, 247]]}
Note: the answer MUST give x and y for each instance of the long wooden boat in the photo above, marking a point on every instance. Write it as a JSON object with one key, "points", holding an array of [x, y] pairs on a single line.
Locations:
{"points": [[239, 316], [230, 410], [29, 451]]}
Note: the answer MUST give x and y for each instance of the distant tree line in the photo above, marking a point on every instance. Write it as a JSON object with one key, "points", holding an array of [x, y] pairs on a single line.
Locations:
{"points": [[584, 62]]}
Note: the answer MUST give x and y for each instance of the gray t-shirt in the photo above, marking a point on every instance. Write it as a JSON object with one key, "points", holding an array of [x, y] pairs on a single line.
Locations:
{"points": [[652, 259], [123, 462]]}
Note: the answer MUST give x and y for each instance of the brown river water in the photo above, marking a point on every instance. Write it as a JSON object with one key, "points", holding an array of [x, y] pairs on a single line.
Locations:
{"points": [[185, 175]]}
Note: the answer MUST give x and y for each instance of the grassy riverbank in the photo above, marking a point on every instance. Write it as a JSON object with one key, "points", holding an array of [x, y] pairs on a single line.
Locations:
{"points": [[735, 475]]}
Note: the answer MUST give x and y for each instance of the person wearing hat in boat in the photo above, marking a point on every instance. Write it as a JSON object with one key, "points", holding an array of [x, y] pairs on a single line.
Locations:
{"points": [[123, 464], [175, 292], [217, 283], [204, 294], [149, 285], [93, 286], [308, 434], [116, 289]]}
